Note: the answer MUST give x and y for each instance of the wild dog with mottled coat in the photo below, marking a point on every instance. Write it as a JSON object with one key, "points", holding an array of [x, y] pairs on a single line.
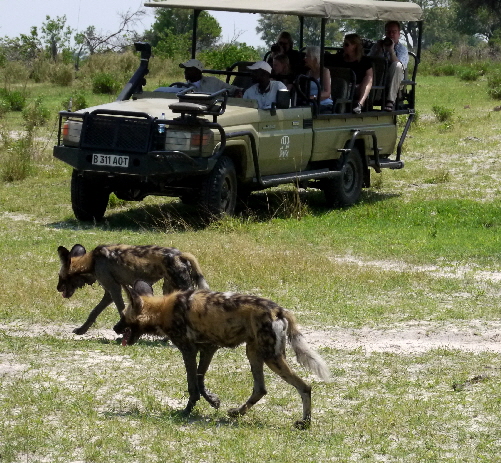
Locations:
{"points": [[116, 265], [203, 321]]}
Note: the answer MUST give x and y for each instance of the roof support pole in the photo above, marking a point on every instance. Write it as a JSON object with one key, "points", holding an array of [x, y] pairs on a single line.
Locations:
{"points": [[322, 52], [196, 14], [301, 32]]}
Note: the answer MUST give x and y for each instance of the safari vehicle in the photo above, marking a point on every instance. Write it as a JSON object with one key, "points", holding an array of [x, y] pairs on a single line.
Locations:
{"points": [[210, 150]]}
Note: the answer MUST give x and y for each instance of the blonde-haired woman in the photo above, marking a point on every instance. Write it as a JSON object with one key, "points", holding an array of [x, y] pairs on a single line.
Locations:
{"points": [[312, 61], [353, 57]]}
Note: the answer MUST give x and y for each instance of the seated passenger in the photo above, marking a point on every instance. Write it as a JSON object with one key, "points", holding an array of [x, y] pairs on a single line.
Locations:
{"points": [[285, 46], [206, 84], [281, 70], [264, 90], [397, 56], [312, 61], [353, 58]]}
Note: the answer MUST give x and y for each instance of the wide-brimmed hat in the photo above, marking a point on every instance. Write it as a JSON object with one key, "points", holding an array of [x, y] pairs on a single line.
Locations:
{"points": [[192, 63], [260, 65]]}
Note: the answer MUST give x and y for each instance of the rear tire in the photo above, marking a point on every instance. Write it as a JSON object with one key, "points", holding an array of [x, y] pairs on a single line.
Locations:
{"points": [[89, 199], [345, 190], [218, 195]]}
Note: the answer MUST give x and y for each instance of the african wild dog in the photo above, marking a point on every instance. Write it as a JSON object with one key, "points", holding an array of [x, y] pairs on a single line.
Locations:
{"points": [[203, 321], [116, 265]]}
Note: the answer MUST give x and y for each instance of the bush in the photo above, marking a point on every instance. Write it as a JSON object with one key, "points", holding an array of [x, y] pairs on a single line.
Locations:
{"points": [[62, 75], [36, 114], [104, 82], [15, 99], [78, 101], [225, 55], [16, 157], [468, 74], [494, 84], [442, 113]]}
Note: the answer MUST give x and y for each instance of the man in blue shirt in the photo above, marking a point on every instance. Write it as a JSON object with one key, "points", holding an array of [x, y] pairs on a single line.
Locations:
{"points": [[397, 57], [265, 90]]}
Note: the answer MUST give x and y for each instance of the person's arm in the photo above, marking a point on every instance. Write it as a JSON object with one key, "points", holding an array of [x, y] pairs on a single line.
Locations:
{"points": [[365, 86], [326, 90], [402, 54]]}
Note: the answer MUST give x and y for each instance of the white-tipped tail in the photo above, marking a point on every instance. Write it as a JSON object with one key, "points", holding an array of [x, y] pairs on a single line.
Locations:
{"points": [[309, 358]]}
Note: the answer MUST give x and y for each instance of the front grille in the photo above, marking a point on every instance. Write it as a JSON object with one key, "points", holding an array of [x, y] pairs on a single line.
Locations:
{"points": [[112, 133]]}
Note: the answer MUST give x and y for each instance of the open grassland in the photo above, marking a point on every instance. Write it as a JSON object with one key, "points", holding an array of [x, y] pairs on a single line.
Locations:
{"points": [[401, 294]]}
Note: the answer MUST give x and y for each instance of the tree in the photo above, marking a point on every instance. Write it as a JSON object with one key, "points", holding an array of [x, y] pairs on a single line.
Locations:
{"points": [[171, 32], [56, 35], [486, 14], [270, 26], [23, 48]]}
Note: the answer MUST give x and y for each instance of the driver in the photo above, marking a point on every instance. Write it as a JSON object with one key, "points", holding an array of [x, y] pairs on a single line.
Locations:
{"points": [[264, 90], [193, 74]]}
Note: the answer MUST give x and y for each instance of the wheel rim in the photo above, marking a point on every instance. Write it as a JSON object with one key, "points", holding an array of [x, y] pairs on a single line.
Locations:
{"points": [[226, 191], [349, 178]]}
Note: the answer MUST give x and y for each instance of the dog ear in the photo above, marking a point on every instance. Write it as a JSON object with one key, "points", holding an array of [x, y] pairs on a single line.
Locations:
{"points": [[77, 251], [64, 254], [142, 288], [135, 301]]}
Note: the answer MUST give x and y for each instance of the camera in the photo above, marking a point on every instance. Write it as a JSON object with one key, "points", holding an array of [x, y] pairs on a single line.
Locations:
{"points": [[276, 48], [387, 42]]}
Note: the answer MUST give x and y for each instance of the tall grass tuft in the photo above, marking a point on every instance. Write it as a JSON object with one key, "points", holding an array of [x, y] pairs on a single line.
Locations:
{"points": [[494, 84], [15, 155]]}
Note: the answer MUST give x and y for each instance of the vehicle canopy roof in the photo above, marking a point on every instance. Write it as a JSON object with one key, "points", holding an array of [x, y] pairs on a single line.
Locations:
{"points": [[329, 9]]}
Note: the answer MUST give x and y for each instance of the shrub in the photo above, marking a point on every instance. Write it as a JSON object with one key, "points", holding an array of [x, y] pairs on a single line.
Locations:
{"points": [[104, 82], [36, 114], [442, 113], [225, 55], [16, 157], [15, 99], [62, 75], [41, 70], [468, 74], [494, 84], [78, 101]]}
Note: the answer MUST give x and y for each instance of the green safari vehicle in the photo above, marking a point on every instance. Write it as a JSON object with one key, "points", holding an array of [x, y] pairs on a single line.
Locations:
{"points": [[212, 150]]}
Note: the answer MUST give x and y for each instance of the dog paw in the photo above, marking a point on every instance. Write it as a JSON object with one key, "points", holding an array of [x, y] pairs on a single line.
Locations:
{"points": [[212, 398], [234, 412], [302, 424], [81, 330]]}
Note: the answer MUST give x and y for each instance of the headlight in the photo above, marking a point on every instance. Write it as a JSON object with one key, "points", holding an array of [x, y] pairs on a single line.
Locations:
{"points": [[198, 140], [71, 131]]}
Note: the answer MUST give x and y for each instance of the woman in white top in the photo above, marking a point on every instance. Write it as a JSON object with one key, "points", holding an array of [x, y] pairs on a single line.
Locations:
{"points": [[312, 61]]}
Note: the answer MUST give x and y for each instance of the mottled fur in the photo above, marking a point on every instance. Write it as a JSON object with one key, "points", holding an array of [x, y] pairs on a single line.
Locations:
{"points": [[203, 321], [117, 265]]}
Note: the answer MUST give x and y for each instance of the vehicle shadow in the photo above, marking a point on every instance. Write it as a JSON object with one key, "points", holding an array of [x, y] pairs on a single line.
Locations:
{"points": [[175, 216]]}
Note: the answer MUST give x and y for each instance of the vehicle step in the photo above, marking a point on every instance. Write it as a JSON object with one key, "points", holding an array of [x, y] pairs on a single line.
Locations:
{"points": [[387, 163], [271, 180]]}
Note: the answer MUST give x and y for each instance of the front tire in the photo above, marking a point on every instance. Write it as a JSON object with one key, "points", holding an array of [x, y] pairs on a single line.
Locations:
{"points": [[345, 190], [89, 199], [218, 195]]}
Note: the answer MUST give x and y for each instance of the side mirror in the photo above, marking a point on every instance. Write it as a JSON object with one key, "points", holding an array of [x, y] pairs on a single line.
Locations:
{"points": [[283, 99]]}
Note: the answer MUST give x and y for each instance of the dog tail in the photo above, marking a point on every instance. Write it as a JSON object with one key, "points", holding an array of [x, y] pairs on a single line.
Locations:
{"points": [[196, 271], [305, 355]]}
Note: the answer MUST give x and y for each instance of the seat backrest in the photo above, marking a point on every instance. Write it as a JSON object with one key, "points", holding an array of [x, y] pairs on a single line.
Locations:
{"points": [[377, 94], [241, 81], [343, 82]]}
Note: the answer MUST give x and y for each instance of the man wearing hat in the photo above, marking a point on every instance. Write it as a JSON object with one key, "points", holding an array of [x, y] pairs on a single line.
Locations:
{"points": [[205, 84], [264, 90]]}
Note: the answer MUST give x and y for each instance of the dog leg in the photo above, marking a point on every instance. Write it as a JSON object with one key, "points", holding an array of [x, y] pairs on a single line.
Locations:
{"points": [[281, 368], [105, 302], [259, 389], [190, 362], [206, 354]]}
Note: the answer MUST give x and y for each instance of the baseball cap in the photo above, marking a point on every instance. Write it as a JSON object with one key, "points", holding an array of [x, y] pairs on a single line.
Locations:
{"points": [[192, 63], [260, 65]]}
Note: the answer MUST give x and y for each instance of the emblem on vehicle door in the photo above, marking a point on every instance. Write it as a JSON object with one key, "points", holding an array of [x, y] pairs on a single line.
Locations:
{"points": [[284, 147]]}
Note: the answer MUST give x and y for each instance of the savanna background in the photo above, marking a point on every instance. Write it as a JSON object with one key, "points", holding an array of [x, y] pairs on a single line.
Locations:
{"points": [[400, 293]]}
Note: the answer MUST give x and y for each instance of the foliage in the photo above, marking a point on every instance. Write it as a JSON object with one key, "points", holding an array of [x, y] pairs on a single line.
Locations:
{"points": [[171, 32], [62, 74], [270, 26], [485, 13], [56, 35], [494, 84], [104, 82], [468, 73], [36, 114], [226, 54], [75, 101], [15, 155], [14, 98], [442, 113]]}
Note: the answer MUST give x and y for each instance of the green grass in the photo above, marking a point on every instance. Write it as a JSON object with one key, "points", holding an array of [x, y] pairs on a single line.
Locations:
{"points": [[423, 246]]}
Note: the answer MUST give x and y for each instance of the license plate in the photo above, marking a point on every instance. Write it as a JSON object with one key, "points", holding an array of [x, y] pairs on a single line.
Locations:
{"points": [[111, 160]]}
